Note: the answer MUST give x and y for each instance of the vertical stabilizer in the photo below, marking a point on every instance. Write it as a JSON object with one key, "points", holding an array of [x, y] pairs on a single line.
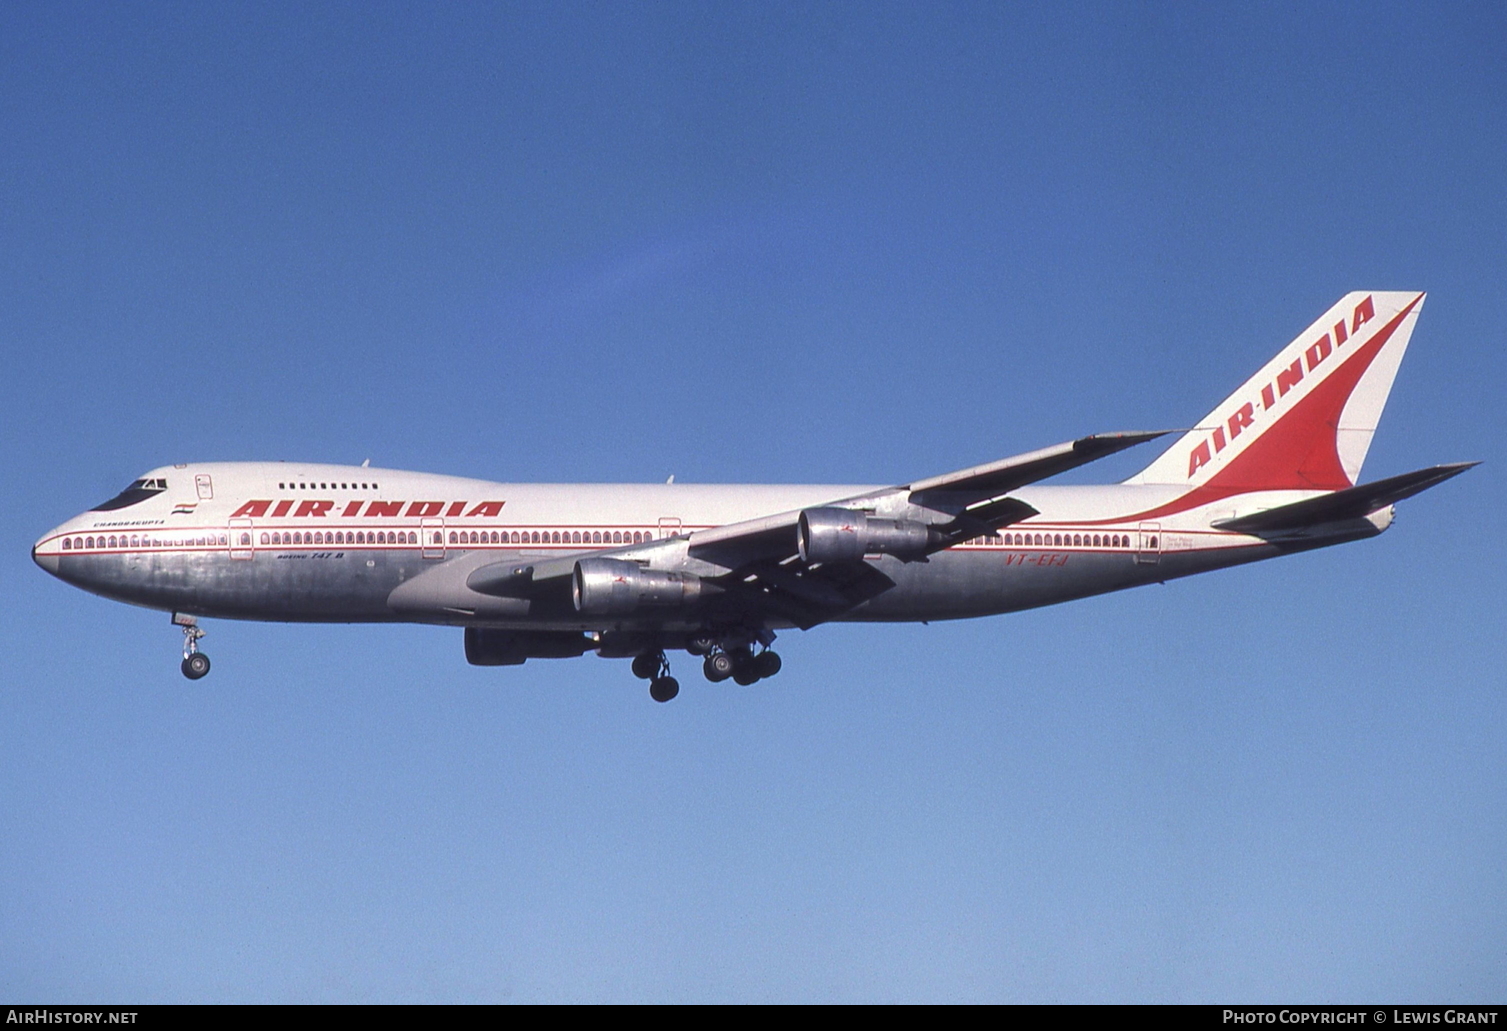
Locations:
{"points": [[1305, 421]]}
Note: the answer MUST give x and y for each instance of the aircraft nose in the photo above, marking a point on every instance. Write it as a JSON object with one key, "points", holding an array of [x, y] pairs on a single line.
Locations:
{"points": [[44, 553]]}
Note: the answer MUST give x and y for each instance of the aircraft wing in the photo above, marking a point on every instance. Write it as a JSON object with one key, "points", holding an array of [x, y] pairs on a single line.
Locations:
{"points": [[996, 478], [973, 497], [766, 568]]}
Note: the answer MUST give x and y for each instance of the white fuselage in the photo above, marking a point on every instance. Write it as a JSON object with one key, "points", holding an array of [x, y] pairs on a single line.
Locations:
{"points": [[284, 541]]}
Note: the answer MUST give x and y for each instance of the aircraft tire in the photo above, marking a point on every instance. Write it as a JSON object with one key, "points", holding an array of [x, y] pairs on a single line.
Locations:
{"points": [[700, 644], [718, 667], [746, 676], [767, 664], [646, 666], [662, 689], [196, 665]]}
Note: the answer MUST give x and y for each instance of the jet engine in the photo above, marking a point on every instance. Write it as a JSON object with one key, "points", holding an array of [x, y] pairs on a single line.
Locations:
{"points": [[487, 647], [612, 587], [843, 535]]}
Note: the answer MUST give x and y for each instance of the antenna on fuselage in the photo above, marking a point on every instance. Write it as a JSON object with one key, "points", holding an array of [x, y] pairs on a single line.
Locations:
{"points": [[365, 462]]}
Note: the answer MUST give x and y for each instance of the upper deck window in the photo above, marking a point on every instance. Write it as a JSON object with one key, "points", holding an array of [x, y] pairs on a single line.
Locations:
{"points": [[137, 492]]}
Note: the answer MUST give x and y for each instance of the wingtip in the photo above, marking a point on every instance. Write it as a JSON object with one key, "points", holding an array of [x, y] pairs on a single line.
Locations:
{"points": [[1119, 440], [1456, 468]]}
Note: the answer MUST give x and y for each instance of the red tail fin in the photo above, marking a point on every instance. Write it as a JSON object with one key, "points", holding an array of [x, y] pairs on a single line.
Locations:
{"points": [[1305, 421]]}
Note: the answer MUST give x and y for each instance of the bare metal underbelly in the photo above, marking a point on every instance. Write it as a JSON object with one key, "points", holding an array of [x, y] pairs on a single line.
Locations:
{"points": [[353, 587]]}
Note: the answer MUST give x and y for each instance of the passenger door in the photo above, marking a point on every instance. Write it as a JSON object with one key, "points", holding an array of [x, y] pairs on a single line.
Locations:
{"points": [[1149, 544], [242, 539], [432, 537]]}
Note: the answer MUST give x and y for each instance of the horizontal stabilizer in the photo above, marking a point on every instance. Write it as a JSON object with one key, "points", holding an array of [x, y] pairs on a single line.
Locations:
{"points": [[1350, 503]]}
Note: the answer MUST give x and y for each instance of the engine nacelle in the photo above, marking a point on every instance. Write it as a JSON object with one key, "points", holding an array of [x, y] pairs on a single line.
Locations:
{"points": [[612, 587], [842, 535], [488, 647]]}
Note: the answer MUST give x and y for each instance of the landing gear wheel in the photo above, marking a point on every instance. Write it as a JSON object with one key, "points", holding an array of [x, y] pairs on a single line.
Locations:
{"points": [[195, 662], [701, 644], [647, 666], [745, 675], [718, 667], [662, 689], [767, 664]]}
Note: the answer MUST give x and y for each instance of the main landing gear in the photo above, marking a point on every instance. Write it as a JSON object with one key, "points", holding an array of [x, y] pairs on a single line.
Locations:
{"points": [[655, 668], [741, 664], [733, 657], [195, 662], [727, 657], [730, 653]]}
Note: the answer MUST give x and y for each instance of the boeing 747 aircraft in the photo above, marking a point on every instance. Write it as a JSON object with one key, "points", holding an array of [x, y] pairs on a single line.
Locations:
{"points": [[557, 570]]}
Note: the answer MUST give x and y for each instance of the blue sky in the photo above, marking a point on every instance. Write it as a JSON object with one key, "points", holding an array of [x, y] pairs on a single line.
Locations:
{"points": [[757, 243]]}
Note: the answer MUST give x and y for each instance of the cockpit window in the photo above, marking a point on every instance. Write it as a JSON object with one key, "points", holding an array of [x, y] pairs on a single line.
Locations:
{"points": [[138, 491]]}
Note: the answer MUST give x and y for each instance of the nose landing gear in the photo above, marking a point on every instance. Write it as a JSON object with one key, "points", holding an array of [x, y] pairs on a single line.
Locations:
{"points": [[195, 662]]}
